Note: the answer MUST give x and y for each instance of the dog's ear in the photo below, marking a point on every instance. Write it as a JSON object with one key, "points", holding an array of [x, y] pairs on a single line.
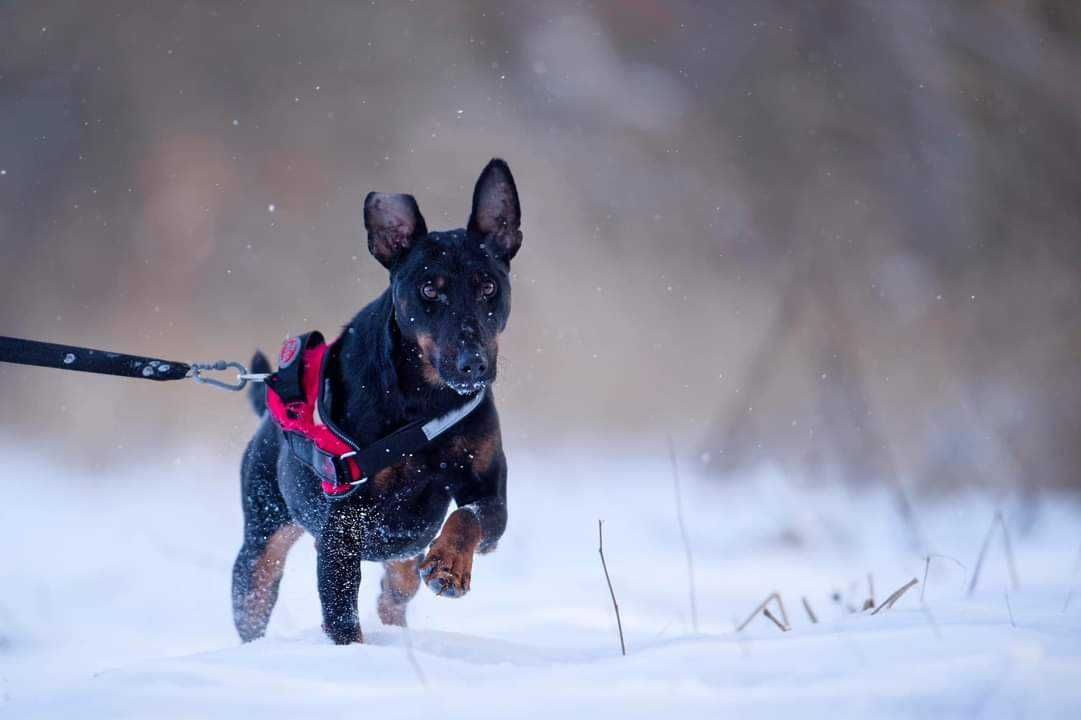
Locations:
{"points": [[496, 214], [394, 224]]}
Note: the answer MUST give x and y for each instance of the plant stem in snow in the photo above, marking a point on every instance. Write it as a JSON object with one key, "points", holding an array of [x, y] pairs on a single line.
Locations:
{"points": [[888, 602], [762, 606], [1073, 581], [810, 612], [683, 534], [1000, 522], [923, 587], [771, 616], [413, 660], [931, 621], [615, 605]]}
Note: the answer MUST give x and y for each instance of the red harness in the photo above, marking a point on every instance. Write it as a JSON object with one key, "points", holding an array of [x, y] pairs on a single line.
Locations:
{"points": [[294, 395], [298, 416]]}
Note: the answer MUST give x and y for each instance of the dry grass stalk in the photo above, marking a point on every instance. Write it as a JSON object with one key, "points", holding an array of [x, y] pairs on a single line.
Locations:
{"points": [[683, 534], [608, 579], [927, 567], [810, 612], [762, 606], [871, 589], [780, 606], [771, 616], [888, 602], [931, 621], [1009, 608], [999, 522], [1073, 581], [421, 677]]}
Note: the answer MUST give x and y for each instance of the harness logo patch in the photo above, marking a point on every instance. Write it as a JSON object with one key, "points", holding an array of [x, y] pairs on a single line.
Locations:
{"points": [[289, 352]]}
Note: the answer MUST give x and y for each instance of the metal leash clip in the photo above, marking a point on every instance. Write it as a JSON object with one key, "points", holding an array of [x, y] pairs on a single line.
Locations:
{"points": [[242, 379]]}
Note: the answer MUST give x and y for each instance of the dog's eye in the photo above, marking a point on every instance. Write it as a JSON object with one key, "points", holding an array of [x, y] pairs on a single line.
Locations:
{"points": [[488, 289], [428, 291]]}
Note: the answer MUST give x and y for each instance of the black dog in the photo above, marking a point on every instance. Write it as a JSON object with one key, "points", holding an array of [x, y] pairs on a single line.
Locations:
{"points": [[419, 350]]}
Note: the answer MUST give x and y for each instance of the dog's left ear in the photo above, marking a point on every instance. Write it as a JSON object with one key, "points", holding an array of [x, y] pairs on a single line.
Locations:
{"points": [[496, 214], [394, 224]]}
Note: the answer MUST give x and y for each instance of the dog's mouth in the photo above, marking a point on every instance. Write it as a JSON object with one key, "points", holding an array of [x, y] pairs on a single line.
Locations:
{"points": [[467, 387]]}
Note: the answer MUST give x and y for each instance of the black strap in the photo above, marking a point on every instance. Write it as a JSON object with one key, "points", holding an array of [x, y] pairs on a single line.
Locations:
{"points": [[288, 380], [69, 357], [382, 453], [378, 456], [392, 449]]}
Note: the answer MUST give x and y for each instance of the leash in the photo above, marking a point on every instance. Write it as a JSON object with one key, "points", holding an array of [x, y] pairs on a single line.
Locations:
{"points": [[18, 351]]}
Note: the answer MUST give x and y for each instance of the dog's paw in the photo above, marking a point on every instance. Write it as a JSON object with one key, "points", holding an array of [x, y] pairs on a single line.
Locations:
{"points": [[344, 635], [447, 571]]}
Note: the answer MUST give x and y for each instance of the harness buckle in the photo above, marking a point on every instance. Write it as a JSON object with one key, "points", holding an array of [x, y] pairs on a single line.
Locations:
{"points": [[343, 472], [348, 474]]}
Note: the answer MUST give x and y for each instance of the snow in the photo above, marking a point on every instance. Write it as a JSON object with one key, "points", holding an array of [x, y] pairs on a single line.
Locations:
{"points": [[114, 603]]}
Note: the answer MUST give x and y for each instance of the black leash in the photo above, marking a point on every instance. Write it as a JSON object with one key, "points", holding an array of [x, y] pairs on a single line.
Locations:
{"points": [[101, 362]]}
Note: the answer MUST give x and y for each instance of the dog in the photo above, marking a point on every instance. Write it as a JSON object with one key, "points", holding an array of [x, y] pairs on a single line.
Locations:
{"points": [[424, 346]]}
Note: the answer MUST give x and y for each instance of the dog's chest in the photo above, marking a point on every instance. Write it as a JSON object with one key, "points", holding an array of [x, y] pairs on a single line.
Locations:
{"points": [[442, 464]]}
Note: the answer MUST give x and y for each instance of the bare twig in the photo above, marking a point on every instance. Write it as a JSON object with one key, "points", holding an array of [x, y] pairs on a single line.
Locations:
{"points": [[810, 612], [931, 621], [762, 606], [979, 558], [888, 602], [1009, 608], [1073, 581], [1000, 522], [683, 534], [741, 640], [413, 660], [927, 566], [1008, 547], [780, 605], [771, 616], [615, 605]]}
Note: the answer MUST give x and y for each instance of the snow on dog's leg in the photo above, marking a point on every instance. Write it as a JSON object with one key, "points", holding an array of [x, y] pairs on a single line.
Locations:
{"points": [[268, 534], [257, 574], [338, 571], [448, 568], [401, 580]]}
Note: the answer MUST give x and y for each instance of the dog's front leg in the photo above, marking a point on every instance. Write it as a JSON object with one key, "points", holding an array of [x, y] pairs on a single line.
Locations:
{"points": [[338, 566], [448, 568], [475, 526]]}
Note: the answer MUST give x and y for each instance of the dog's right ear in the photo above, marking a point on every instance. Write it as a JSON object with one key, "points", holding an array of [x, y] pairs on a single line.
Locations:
{"points": [[394, 224]]}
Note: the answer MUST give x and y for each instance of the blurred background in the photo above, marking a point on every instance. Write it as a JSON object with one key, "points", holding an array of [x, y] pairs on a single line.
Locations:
{"points": [[839, 239]]}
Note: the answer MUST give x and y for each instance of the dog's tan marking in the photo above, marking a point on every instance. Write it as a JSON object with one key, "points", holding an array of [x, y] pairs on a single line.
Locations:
{"points": [[475, 452], [388, 480], [267, 572], [401, 580], [483, 451], [427, 364], [448, 567]]}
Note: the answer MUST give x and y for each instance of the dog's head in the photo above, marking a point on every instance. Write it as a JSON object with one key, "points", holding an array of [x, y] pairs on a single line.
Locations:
{"points": [[451, 289]]}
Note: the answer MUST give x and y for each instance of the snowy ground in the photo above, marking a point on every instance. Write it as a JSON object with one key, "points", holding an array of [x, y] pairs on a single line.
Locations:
{"points": [[114, 602]]}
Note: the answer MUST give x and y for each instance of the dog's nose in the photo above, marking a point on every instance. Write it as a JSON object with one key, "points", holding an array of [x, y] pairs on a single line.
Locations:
{"points": [[472, 363]]}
